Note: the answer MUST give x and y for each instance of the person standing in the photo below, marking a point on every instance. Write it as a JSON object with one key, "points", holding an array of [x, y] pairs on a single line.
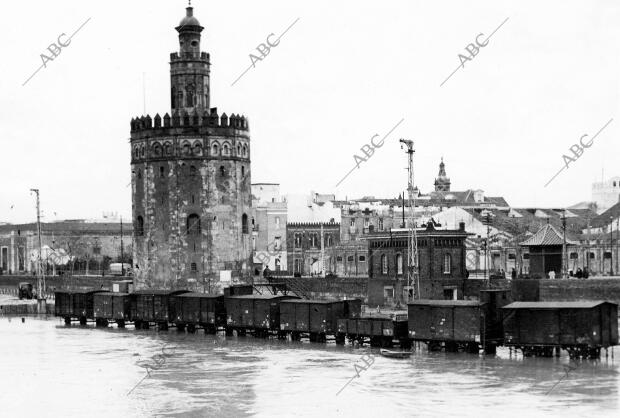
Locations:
{"points": [[552, 275]]}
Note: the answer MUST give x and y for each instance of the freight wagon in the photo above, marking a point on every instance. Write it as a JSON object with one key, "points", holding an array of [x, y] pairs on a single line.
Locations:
{"points": [[259, 314], [581, 328], [152, 306], [382, 331], [75, 304], [112, 306], [454, 325], [198, 309], [315, 318]]}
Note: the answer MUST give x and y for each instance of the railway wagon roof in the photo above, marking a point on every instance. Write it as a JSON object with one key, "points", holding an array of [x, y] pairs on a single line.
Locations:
{"points": [[440, 302], [312, 301], [584, 304], [158, 292], [199, 295], [264, 297]]}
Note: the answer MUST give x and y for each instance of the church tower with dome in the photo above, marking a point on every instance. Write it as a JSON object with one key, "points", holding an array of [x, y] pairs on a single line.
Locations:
{"points": [[191, 193], [442, 182]]}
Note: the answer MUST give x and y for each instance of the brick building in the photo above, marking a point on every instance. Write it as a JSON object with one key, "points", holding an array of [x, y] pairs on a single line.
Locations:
{"points": [[191, 181], [441, 255]]}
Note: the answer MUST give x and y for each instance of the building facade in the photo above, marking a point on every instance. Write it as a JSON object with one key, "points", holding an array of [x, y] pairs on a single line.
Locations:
{"points": [[269, 219], [441, 265], [606, 193], [310, 246], [191, 181], [73, 246]]}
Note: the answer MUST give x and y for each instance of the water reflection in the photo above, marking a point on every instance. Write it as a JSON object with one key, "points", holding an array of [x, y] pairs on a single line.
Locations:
{"points": [[50, 369]]}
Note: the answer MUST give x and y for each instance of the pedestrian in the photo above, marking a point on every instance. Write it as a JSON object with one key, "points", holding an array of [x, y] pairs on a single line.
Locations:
{"points": [[552, 275], [466, 274], [579, 273], [586, 273], [513, 274]]}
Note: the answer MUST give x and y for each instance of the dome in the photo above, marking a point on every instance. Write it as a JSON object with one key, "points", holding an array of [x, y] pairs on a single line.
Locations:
{"points": [[189, 19]]}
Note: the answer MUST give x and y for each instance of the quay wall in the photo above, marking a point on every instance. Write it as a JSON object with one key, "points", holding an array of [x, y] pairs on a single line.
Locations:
{"points": [[575, 289]]}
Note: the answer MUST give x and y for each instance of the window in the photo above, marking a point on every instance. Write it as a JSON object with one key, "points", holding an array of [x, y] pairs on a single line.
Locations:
{"points": [[384, 264], [242, 171], [313, 240], [244, 151], [526, 256], [193, 224], [297, 240], [277, 222], [366, 222], [162, 171], [329, 241], [511, 256], [193, 267], [573, 256], [362, 258], [244, 223], [399, 264], [214, 150], [350, 258], [222, 171], [193, 199], [187, 150], [238, 150], [297, 266], [339, 258], [388, 292], [277, 244], [139, 174], [96, 250], [253, 243], [380, 224], [225, 150], [592, 256], [607, 255], [447, 263], [192, 171], [139, 226], [352, 222]]}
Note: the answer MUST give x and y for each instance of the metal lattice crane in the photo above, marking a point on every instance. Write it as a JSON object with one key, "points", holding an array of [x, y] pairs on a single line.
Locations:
{"points": [[413, 279]]}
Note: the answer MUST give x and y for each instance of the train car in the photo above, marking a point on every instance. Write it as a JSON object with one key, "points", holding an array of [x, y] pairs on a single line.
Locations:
{"points": [[454, 325], [316, 318], [199, 309], [582, 327], [152, 306], [112, 306], [239, 290], [381, 330], [259, 314], [76, 304]]}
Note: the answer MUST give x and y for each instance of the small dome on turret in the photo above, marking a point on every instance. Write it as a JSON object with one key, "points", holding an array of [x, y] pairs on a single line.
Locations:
{"points": [[189, 19]]}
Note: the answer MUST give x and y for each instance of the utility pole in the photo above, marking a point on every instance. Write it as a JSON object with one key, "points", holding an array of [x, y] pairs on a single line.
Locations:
{"points": [[41, 277], [322, 253], [611, 245], [413, 279], [564, 258]]}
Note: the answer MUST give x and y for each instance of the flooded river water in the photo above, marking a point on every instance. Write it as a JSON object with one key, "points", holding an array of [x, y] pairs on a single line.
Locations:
{"points": [[49, 369]]}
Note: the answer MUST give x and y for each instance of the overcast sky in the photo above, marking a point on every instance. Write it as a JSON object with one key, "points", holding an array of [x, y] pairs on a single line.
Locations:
{"points": [[346, 71]]}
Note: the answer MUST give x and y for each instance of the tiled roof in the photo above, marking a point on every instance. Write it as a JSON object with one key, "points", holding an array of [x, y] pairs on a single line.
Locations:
{"points": [[547, 235], [604, 218]]}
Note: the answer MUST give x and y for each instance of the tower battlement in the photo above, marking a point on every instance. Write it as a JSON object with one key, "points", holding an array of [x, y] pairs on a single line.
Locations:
{"points": [[196, 123], [184, 56]]}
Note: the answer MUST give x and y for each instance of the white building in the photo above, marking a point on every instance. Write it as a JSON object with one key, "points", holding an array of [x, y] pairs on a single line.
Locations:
{"points": [[606, 193]]}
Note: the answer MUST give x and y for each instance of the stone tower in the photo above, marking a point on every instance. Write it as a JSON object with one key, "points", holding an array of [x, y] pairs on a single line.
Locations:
{"points": [[191, 184], [442, 182]]}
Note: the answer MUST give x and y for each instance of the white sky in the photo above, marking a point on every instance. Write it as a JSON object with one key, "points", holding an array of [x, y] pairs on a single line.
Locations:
{"points": [[345, 71]]}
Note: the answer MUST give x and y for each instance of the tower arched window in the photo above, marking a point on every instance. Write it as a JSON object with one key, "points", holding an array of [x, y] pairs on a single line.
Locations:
{"points": [[187, 150], [179, 98], [139, 226], [238, 150], [192, 171], [197, 148], [245, 151], [162, 171], [140, 174], [193, 224], [244, 223], [173, 97], [190, 96], [222, 171], [242, 170], [215, 150], [313, 240], [384, 264], [225, 150], [447, 263]]}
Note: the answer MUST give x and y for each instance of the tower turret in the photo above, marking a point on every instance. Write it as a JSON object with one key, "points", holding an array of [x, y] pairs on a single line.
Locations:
{"points": [[189, 69], [442, 182]]}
